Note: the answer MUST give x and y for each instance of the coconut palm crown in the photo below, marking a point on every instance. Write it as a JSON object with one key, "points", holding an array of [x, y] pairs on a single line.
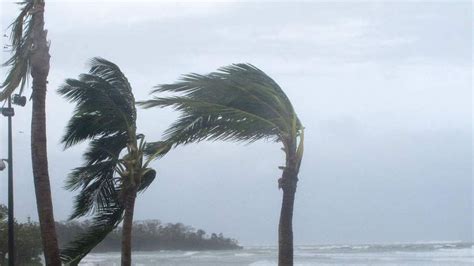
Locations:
{"points": [[238, 103], [115, 167]]}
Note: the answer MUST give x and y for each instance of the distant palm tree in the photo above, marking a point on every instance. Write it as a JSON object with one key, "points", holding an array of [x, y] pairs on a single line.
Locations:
{"points": [[116, 163], [30, 50], [239, 103]]}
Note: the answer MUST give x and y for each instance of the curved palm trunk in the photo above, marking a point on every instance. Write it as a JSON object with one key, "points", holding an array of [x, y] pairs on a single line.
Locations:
{"points": [[39, 72], [129, 204], [285, 229]]}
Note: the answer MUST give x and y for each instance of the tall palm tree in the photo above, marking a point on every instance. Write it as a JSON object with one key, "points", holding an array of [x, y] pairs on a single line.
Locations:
{"points": [[30, 51], [116, 163], [239, 103]]}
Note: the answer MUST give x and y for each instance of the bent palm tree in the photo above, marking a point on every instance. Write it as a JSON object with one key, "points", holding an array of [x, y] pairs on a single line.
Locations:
{"points": [[31, 56], [105, 115], [239, 103]]}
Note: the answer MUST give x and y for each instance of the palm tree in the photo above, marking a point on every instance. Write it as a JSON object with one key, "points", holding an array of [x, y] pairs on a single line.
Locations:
{"points": [[116, 163], [30, 51], [239, 103]]}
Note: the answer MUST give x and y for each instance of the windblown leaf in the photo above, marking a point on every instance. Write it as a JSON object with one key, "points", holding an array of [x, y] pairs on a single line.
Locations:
{"points": [[238, 102], [105, 104], [21, 44], [103, 223], [106, 219]]}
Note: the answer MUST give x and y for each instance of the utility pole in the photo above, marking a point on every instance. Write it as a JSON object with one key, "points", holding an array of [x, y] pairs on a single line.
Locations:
{"points": [[11, 220], [9, 112]]}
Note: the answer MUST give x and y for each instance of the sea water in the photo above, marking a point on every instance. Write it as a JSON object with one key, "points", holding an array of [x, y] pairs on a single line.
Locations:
{"points": [[453, 253]]}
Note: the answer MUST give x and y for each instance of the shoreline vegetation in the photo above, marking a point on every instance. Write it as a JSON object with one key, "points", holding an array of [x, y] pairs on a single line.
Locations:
{"points": [[148, 235], [151, 235]]}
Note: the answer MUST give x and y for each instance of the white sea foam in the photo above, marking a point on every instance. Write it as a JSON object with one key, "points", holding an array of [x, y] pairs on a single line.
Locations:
{"points": [[263, 263], [244, 254], [190, 253], [415, 254]]}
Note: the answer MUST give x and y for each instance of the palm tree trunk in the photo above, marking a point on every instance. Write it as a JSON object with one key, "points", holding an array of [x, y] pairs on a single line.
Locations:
{"points": [[285, 229], [129, 204], [39, 72]]}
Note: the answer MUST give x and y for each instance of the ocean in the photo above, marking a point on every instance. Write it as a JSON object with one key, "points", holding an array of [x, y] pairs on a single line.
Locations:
{"points": [[452, 253]]}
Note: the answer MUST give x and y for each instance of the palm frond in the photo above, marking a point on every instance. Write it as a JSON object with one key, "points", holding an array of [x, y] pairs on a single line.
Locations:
{"points": [[96, 178], [238, 102], [105, 148], [21, 46], [107, 217], [112, 74], [103, 223], [105, 105], [237, 81], [97, 184]]}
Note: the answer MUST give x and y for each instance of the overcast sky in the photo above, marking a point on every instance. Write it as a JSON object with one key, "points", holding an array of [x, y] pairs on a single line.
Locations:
{"points": [[383, 89]]}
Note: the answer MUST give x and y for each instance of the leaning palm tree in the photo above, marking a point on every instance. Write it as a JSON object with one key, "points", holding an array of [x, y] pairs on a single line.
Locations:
{"points": [[239, 103], [116, 163], [30, 55]]}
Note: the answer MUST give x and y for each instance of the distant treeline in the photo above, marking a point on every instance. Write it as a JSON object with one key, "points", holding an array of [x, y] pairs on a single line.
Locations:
{"points": [[148, 235], [151, 235]]}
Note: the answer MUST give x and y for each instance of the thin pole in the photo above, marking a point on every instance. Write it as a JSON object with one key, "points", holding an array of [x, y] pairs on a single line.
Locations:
{"points": [[11, 241]]}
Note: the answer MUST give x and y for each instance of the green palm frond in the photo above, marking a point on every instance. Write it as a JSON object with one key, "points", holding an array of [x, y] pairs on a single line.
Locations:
{"points": [[206, 120], [21, 47], [105, 148], [105, 105], [112, 74], [102, 224], [97, 183], [238, 102], [105, 220], [107, 217]]}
